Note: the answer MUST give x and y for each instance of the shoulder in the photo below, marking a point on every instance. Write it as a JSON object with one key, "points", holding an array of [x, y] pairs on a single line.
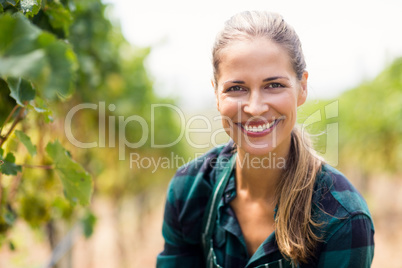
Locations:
{"points": [[337, 201], [190, 189], [200, 172], [346, 229], [339, 191]]}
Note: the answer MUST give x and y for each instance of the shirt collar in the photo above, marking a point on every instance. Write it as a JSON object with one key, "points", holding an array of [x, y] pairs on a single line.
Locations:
{"points": [[227, 220]]}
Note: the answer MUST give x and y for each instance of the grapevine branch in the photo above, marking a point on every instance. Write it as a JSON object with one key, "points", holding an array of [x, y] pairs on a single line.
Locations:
{"points": [[19, 117], [9, 117], [38, 166]]}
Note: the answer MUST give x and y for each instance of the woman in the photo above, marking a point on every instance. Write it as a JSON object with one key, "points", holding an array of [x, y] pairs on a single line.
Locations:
{"points": [[265, 199]]}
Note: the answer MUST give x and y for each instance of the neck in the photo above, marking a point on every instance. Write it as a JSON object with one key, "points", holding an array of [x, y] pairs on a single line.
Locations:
{"points": [[257, 177]]}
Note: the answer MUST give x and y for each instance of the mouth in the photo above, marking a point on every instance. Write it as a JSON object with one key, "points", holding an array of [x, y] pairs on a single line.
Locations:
{"points": [[259, 128]]}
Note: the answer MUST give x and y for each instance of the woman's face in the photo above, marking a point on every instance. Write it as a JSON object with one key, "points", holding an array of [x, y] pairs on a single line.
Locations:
{"points": [[258, 94]]}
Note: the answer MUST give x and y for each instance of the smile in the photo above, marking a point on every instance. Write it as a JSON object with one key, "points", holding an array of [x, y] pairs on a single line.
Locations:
{"points": [[257, 129]]}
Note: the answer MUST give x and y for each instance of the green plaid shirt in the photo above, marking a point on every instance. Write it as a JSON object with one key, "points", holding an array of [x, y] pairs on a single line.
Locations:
{"points": [[347, 230]]}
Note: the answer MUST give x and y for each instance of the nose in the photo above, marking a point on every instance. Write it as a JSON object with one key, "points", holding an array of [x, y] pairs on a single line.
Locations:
{"points": [[255, 104]]}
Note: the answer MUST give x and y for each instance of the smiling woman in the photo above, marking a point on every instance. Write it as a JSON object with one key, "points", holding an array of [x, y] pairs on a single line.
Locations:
{"points": [[228, 208], [256, 98]]}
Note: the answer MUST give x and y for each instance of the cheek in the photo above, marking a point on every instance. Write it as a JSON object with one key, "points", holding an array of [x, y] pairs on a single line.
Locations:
{"points": [[228, 107], [287, 103]]}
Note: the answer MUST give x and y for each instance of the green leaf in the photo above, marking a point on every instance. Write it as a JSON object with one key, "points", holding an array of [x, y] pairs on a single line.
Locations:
{"points": [[39, 105], [30, 7], [77, 183], [12, 2], [1, 8], [29, 65], [37, 56], [26, 141], [60, 82], [59, 16], [88, 223], [9, 167], [21, 90], [17, 35]]}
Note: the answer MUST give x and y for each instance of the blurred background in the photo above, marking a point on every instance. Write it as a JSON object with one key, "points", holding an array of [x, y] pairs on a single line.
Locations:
{"points": [[139, 103]]}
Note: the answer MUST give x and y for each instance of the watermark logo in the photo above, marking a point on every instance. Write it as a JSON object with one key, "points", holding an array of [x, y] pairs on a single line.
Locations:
{"points": [[325, 117], [269, 161]]}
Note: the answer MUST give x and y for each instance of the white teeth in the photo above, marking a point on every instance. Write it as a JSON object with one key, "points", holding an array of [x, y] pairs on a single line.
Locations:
{"points": [[260, 128]]}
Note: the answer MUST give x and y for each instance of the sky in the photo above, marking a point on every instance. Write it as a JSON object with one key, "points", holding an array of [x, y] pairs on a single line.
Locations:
{"points": [[344, 42]]}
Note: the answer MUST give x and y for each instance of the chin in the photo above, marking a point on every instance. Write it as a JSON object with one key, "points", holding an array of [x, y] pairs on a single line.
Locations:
{"points": [[266, 157], [256, 149]]}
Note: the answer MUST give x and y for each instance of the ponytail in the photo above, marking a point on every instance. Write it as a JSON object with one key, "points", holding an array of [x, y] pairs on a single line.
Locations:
{"points": [[293, 221]]}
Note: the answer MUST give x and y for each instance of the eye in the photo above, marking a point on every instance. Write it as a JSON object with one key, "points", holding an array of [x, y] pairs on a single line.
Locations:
{"points": [[235, 89], [275, 85]]}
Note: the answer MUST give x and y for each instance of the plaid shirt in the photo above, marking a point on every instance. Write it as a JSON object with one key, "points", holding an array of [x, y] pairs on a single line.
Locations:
{"points": [[347, 233]]}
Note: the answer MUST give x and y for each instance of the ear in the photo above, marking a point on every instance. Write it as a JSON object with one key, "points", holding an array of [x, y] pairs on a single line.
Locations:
{"points": [[303, 90]]}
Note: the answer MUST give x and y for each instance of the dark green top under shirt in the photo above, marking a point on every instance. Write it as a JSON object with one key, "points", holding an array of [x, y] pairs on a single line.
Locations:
{"points": [[347, 230]]}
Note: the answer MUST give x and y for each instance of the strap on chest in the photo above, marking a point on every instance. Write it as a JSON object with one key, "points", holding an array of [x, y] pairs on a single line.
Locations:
{"points": [[211, 209]]}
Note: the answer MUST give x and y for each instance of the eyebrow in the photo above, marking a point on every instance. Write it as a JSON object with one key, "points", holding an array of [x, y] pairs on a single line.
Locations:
{"points": [[265, 80], [275, 78]]}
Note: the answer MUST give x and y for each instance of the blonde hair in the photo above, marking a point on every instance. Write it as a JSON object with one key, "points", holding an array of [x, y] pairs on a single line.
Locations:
{"points": [[252, 24], [293, 222]]}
